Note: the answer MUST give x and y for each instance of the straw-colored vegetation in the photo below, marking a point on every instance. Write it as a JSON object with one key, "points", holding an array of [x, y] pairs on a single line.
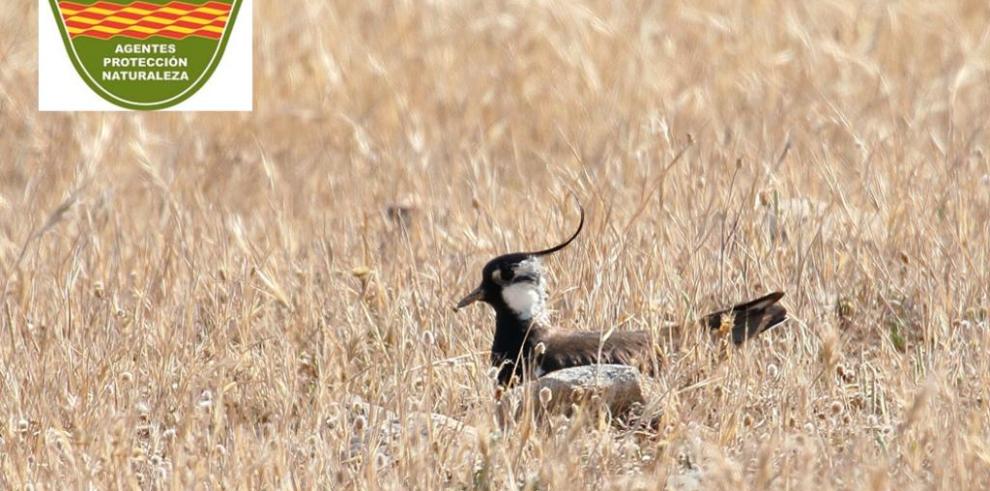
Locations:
{"points": [[198, 298]]}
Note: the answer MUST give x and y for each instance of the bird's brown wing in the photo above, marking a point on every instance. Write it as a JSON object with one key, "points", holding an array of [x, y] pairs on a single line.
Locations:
{"points": [[564, 349], [576, 348]]}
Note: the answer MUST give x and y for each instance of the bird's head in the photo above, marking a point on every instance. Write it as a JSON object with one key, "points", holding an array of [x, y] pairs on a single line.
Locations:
{"points": [[516, 282]]}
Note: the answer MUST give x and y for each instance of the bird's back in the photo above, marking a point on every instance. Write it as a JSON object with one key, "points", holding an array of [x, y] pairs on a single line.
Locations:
{"points": [[563, 349]]}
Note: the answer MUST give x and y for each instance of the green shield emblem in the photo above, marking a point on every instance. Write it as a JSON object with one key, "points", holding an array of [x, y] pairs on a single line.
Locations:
{"points": [[149, 54]]}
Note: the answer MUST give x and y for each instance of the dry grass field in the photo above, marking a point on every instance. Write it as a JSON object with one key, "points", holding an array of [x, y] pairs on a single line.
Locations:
{"points": [[197, 300]]}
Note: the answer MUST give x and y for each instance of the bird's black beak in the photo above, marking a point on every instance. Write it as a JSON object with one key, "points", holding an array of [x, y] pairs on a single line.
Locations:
{"points": [[470, 298]]}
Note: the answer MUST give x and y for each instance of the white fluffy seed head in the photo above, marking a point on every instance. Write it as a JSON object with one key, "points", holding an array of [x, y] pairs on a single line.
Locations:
{"points": [[545, 396], [205, 399]]}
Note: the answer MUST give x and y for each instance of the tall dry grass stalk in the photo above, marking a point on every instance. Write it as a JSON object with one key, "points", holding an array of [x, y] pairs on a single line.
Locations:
{"points": [[197, 298]]}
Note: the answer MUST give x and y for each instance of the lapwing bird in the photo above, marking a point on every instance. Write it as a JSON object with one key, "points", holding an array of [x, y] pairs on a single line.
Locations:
{"points": [[515, 287]]}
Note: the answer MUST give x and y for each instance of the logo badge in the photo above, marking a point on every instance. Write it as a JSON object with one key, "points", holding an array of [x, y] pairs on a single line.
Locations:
{"points": [[149, 54]]}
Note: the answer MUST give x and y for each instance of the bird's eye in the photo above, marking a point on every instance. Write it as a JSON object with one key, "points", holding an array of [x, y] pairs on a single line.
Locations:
{"points": [[502, 275]]}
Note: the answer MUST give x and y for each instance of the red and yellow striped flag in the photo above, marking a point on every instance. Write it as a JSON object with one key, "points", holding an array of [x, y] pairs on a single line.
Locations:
{"points": [[141, 20]]}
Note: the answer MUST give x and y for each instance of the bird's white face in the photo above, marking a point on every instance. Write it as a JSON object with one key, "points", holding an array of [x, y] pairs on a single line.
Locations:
{"points": [[527, 295]]}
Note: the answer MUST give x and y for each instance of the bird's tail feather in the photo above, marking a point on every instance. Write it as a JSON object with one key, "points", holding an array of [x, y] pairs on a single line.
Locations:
{"points": [[750, 318]]}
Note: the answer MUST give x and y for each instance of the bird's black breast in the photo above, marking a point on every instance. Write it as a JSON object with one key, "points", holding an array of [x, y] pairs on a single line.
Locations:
{"points": [[512, 348]]}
